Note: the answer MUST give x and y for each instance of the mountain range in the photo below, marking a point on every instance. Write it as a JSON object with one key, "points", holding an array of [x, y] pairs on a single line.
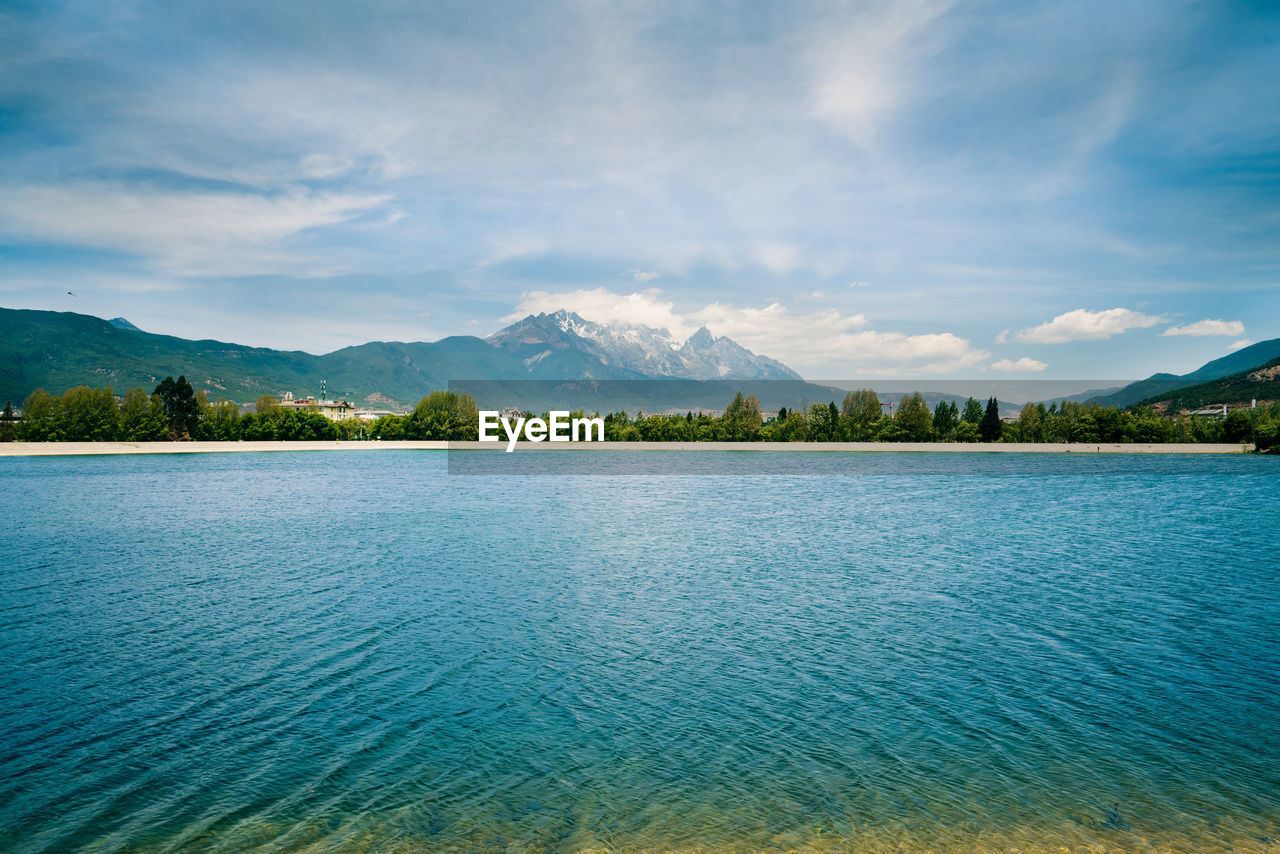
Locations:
{"points": [[563, 345], [557, 356], [59, 350]]}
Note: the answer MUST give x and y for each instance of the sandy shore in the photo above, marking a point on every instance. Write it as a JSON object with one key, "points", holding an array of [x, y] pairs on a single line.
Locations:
{"points": [[42, 449]]}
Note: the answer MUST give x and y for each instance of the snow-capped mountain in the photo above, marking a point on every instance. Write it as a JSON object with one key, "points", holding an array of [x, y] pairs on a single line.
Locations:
{"points": [[563, 344]]}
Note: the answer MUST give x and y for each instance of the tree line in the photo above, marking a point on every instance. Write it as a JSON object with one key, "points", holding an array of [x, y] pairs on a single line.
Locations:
{"points": [[175, 412], [861, 418]]}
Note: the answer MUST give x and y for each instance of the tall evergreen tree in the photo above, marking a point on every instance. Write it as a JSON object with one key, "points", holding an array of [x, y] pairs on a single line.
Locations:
{"points": [[7, 432], [945, 416], [180, 407], [990, 428], [742, 418]]}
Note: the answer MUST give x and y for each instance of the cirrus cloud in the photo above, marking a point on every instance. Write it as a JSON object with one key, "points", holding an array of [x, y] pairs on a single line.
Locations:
{"points": [[185, 233], [1207, 327], [1085, 325]]}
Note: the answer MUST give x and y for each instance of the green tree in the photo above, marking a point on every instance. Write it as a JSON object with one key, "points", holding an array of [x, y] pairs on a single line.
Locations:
{"points": [[913, 418], [221, 422], [89, 415], [180, 406], [444, 415], [1237, 427], [859, 414], [266, 403], [660, 428], [972, 413], [1030, 424], [7, 430], [966, 431], [945, 417], [1266, 435], [142, 417], [795, 428], [990, 427], [888, 430], [41, 418], [1147, 426], [822, 427], [742, 418]]}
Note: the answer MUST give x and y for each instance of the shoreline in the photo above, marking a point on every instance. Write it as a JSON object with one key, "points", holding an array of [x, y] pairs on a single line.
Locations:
{"points": [[63, 449]]}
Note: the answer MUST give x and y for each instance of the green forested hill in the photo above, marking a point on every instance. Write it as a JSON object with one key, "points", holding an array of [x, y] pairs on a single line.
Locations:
{"points": [[60, 350], [1260, 383], [1158, 386]]}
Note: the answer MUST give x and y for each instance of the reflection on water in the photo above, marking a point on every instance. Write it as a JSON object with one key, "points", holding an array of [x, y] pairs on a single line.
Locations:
{"points": [[357, 652]]}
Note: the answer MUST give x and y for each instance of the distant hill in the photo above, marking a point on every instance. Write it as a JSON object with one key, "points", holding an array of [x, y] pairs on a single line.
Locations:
{"points": [[1156, 385], [60, 350], [1260, 383]]}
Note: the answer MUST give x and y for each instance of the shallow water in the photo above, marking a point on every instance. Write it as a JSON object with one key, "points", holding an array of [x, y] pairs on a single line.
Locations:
{"points": [[360, 652]]}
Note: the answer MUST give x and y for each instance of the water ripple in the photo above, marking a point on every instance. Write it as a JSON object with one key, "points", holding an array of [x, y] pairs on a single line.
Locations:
{"points": [[307, 653]]}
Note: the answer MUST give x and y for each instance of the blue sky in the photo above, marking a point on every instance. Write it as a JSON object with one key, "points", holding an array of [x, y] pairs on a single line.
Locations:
{"points": [[1029, 190]]}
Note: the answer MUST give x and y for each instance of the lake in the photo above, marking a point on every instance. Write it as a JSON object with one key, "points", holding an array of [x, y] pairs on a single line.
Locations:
{"points": [[363, 652]]}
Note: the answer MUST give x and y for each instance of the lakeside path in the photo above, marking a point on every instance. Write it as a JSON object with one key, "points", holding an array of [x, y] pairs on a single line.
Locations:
{"points": [[47, 449]]}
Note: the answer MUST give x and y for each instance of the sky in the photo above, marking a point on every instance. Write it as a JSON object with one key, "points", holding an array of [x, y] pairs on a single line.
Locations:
{"points": [[915, 188]]}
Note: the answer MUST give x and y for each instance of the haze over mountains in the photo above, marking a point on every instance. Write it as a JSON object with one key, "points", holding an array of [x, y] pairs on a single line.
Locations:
{"points": [[571, 356]]}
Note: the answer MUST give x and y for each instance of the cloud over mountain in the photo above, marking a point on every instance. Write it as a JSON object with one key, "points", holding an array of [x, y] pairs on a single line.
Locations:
{"points": [[839, 342]]}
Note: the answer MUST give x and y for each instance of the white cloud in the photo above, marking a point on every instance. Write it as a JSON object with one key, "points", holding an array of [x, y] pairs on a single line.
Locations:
{"points": [[1023, 365], [859, 284], [778, 257], [1085, 325], [1240, 345], [1003, 336], [862, 67], [1207, 327], [824, 340], [643, 276], [642, 308], [183, 233]]}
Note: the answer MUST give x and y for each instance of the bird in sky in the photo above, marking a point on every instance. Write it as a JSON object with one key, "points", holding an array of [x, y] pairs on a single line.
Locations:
{"points": [[70, 294]]}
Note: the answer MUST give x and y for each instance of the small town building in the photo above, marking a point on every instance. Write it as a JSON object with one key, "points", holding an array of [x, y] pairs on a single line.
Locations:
{"points": [[334, 410]]}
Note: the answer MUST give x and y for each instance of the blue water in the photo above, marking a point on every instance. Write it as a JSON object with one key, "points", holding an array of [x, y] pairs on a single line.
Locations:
{"points": [[359, 652]]}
